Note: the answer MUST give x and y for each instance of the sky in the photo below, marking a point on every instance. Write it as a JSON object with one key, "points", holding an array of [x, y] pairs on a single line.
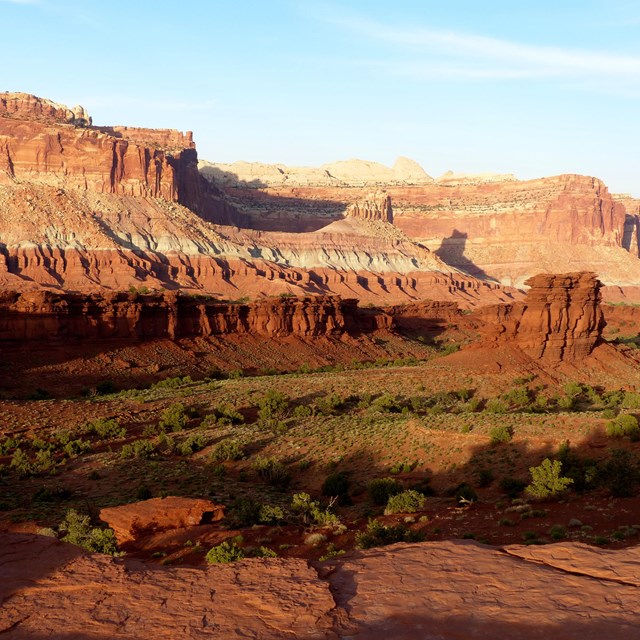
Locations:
{"points": [[530, 88]]}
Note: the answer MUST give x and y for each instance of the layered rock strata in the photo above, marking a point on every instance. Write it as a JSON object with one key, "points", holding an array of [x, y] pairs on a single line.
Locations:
{"points": [[43, 315], [560, 320], [43, 141], [376, 206]]}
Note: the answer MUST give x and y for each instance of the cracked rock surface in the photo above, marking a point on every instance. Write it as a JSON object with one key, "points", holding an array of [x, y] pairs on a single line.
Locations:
{"points": [[454, 590]]}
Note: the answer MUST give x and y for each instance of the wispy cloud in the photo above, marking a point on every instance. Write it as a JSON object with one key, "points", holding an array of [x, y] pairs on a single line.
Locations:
{"points": [[423, 52]]}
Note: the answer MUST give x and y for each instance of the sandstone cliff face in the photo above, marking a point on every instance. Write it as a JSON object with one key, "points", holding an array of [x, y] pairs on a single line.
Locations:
{"points": [[560, 320], [375, 206], [24, 105], [42, 315], [43, 141]]}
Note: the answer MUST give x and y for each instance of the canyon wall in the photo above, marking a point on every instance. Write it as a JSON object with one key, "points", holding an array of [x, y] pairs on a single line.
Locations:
{"points": [[43, 141], [43, 315]]}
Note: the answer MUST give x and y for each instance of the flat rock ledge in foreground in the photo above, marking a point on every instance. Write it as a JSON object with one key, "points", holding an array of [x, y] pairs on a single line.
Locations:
{"points": [[452, 590]]}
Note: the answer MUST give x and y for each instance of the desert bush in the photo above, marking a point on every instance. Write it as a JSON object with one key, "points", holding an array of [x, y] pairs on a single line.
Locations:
{"points": [[512, 486], [138, 449], [386, 402], [517, 398], [624, 425], [310, 511], [500, 434], [272, 471], [546, 481], [230, 449], [631, 400], [224, 414], [77, 447], [244, 512], [224, 553], [621, 473], [20, 463], [409, 501], [485, 478], [303, 411], [566, 403], [77, 529], [336, 485], [191, 445], [263, 552], [378, 535], [172, 383], [106, 428], [329, 405], [272, 405], [381, 489], [573, 389], [583, 471], [496, 405], [271, 514], [174, 418]]}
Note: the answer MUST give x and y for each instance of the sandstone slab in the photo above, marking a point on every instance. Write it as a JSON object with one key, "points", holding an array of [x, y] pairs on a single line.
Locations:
{"points": [[131, 521]]}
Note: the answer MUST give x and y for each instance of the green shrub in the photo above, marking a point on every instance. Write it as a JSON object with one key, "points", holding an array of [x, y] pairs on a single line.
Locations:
{"points": [[272, 471], [75, 448], [174, 418], [77, 530], [20, 463], [518, 398], [272, 405], [631, 400], [500, 434], [138, 449], [224, 414], [271, 514], [381, 489], [230, 449], [224, 553], [378, 535], [244, 512], [172, 383], [191, 445], [386, 402], [329, 405], [624, 425], [495, 405], [336, 485], [409, 501], [566, 403], [546, 480], [310, 511], [303, 411], [621, 474], [106, 428]]}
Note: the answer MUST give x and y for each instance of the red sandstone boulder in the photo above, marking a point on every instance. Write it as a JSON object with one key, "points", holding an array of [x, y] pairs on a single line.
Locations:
{"points": [[131, 521]]}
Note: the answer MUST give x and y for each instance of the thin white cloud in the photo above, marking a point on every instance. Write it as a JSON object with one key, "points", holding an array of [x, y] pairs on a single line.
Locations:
{"points": [[430, 53]]}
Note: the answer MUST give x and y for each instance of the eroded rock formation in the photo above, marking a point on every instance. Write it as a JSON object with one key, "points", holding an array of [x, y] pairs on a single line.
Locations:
{"points": [[560, 320], [375, 206], [56, 145], [131, 521], [42, 315]]}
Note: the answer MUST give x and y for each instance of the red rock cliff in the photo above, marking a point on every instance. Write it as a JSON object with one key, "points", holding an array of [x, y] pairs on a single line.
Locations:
{"points": [[43, 140], [42, 315], [560, 321]]}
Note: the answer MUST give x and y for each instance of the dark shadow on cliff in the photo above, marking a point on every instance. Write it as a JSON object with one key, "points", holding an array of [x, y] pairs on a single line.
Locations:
{"points": [[631, 235], [451, 251], [264, 211]]}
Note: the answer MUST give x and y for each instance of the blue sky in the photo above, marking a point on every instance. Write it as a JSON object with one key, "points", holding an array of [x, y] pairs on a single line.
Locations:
{"points": [[538, 89]]}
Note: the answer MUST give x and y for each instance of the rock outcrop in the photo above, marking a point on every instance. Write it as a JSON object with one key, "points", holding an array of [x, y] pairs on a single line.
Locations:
{"points": [[375, 206], [404, 591], [44, 141], [560, 320], [43, 315], [132, 521]]}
